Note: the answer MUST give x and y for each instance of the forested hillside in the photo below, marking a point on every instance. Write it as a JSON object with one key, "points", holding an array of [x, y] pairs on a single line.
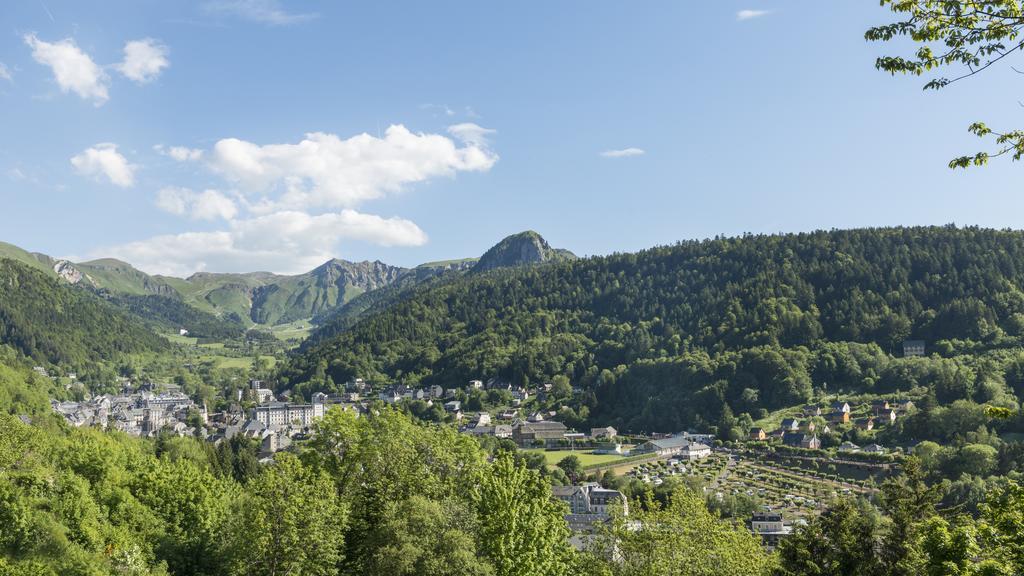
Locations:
{"points": [[168, 314], [747, 320], [51, 321]]}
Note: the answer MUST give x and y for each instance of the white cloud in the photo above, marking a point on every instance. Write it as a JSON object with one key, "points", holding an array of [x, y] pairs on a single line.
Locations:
{"points": [[5, 72], [287, 242], [104, 159], [438, 108], [72, 68], [324, 171], [143, 60], [173, 200], [471, 134], [180, 153], [751, 14], [623, 153], [263, 11], [205, 205], [291, 205]]}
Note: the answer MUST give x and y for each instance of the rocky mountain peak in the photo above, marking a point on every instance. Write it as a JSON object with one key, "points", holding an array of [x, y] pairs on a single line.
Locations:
{"points": [[521, 249]]}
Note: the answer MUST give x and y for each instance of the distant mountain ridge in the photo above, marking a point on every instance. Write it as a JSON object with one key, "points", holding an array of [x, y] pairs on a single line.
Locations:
{"points": [[268, 299]]}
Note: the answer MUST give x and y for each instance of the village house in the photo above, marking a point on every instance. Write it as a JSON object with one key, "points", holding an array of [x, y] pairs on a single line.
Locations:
{"points": [[800, 440], [357, 385], [607, 448], [849, 447], [770, 527], [913, 348], [839, 417], [812, 410], [589, 500], [498, 384], [526, 434], [604, 432], [389, 396], [865, 424], [274, 442], [904, 405], [841, 407], [758, 434], [480, 431], [790, 424], [875, 449]]}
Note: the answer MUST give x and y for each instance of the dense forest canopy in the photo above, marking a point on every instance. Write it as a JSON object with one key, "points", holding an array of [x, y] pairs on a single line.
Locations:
{"points": [[170, 313], [53, 322], [748, 313]]}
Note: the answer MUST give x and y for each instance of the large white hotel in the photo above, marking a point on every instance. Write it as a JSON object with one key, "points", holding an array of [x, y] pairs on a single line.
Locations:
{"points": [[282, 414]]}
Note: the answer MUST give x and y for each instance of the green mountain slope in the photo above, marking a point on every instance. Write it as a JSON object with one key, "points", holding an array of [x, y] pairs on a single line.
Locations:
{"points": [[743, 320], [230, 294], [49, 320], [168, 314], [324, 288], [120, 277], [38, 261]]}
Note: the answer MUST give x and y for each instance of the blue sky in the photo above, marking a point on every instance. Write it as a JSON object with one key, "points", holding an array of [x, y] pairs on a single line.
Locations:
{"points": [[241, 135]]}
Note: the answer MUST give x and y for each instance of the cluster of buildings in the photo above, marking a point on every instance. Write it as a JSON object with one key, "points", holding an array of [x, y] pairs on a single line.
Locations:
{"points": [[144, 412], [803, 432], [275, 423]]}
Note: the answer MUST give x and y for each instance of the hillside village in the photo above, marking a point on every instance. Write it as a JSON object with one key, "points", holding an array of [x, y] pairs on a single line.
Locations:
{"points": [[275, 423]]}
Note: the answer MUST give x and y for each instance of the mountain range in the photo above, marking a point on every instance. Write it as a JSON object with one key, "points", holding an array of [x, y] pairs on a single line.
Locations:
{"points": [[245, 300]]}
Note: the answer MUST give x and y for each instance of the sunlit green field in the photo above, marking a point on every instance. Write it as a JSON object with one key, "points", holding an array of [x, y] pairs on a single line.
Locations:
{"points": [[299, 329], [224, 362], [177, 339], [553, 457]]}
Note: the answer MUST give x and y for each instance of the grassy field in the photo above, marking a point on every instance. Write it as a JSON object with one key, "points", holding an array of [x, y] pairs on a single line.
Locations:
{"points": [[297, 330], [553, 457], [177, 339], [223, 362]]}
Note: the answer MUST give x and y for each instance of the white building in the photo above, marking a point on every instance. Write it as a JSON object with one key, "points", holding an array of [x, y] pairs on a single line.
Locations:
{"points": [[280, 414]]}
